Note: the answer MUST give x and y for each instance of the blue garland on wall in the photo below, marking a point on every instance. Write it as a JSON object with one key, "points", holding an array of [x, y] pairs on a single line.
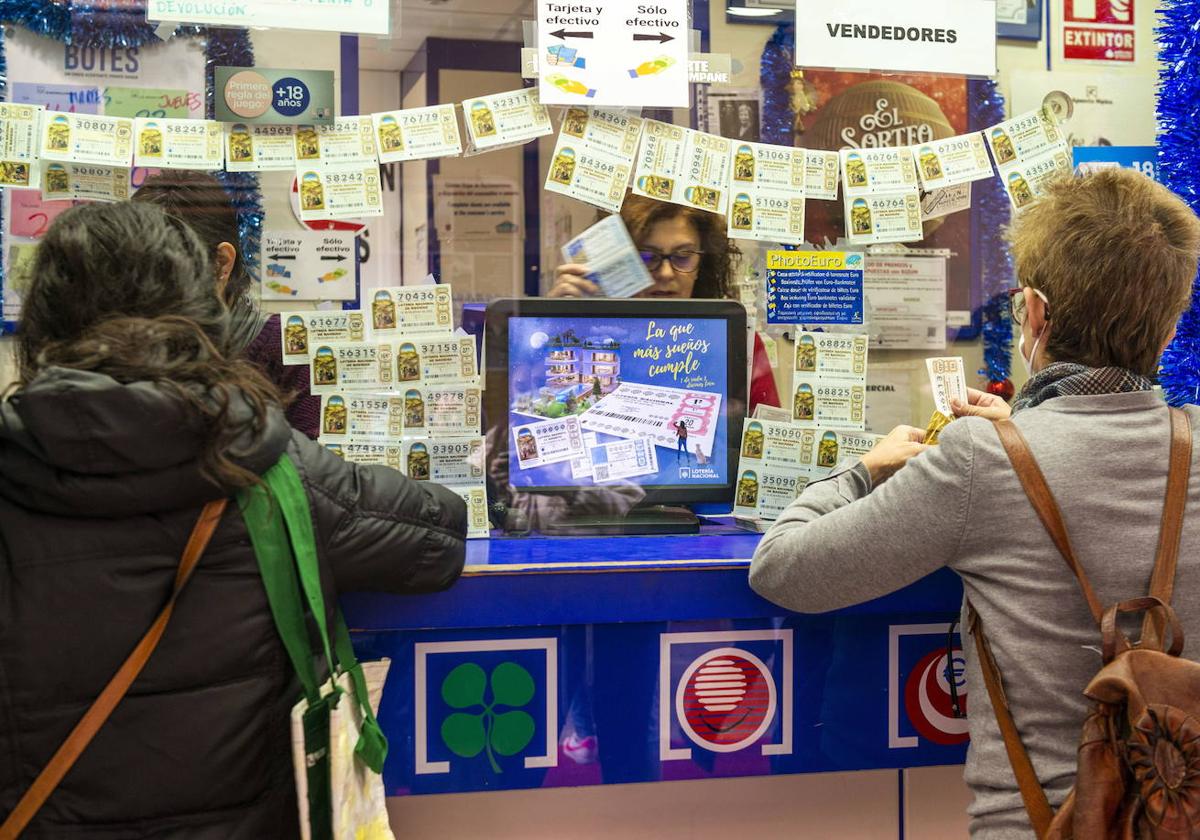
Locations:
{"points": [[90, 24], [985, 108], [1179, 167]]}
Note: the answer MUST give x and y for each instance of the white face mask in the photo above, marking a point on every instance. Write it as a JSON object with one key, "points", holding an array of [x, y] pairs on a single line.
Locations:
{"points": [[1033, 355]]}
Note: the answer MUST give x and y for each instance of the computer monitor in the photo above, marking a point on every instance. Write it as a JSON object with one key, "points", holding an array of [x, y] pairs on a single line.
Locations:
{"points": [[587, 395]]}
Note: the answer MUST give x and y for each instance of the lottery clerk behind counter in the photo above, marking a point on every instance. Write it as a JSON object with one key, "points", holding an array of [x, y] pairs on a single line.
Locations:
{"points": [[688, 256], [1105, 264]]}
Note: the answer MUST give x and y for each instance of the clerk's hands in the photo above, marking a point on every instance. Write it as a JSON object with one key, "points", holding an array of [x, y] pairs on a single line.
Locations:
{"points": [[981, 404], [570, 280], [893, 452]]}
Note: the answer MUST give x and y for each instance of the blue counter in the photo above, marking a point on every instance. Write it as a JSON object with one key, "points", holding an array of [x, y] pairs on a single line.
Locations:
{"points": [[576, 661]]}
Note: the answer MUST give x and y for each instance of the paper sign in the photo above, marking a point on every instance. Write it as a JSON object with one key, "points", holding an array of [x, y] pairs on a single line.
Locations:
{"points": [[259, 95], [178, 144], [955, 160], [814, 287], [822, 174], [547, 442], [614, 263], [417, 133], [884, 217], [149, 102], [351, 365], [72, 99], [594, 156], [408, 310], [923, 36], [600, 53], [866, 171], [19, 162], [308, 265], [259, 148], [710, 68], [304, 330], [1099, 31], [77, 181], [767, 193], [1093, 158], [369, 17], [505, 119], [84, 138], [683, 166], [906, 301], [350, 191], [943, 202], [1026, 182], [948, 380], [435, 360]]}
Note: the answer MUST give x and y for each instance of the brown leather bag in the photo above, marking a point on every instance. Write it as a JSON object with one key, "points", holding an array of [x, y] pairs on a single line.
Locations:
{"points": [[1139, 751], [94, 718]]}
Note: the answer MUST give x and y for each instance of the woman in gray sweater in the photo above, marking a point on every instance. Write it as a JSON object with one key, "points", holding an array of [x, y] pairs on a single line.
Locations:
{"points": [[1105, 264]]}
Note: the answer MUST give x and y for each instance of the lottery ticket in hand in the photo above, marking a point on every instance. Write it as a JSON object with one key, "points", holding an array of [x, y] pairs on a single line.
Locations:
{"points": [[948, 380]]}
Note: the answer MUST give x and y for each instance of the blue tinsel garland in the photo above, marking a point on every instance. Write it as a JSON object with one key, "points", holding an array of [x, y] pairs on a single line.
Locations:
{"points": [[89, 24], [1179, 167], [985, 108]]}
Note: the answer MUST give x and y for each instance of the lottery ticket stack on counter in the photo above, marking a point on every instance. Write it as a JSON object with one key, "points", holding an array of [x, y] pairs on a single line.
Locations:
{"points": [[398, 387]]}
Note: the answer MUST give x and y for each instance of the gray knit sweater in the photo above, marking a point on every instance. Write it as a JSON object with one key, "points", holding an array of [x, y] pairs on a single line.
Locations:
{"points": [[960, 505]]}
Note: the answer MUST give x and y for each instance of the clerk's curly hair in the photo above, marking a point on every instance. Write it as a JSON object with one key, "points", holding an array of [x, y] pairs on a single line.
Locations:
{"points": [[715, 278]]}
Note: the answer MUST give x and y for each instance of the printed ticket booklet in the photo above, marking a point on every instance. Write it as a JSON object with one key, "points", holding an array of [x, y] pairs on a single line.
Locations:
{"points": [[435, 360], [349, 140], [767, 193], [948, 379], [352, 365], [505, 118], [1027, 136], [87, 138], [635, 410], [594, 156], [179, 144], [955, 160], [77, 181], [408, 412], [683, 166], [340, 192], [548, 442], [822, 171], [614, 264], [884, 217], [260, 148], [475, 498], [1026, 182], [866, 171], [20, 166], [408, 310], [304, 330], [417, 133]]}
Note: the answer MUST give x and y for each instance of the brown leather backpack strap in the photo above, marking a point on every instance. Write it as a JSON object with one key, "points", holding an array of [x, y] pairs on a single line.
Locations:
{"points": [[1038, 491], [1036, 805], [95, 717], [1162, 581]]}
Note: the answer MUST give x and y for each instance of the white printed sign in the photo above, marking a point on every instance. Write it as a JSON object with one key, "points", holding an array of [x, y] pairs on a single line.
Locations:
{"points": [[369, 17], [308, 265]]}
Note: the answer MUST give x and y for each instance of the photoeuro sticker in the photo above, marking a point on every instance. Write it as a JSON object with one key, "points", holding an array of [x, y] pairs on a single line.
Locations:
{"points": [[814, 287]]}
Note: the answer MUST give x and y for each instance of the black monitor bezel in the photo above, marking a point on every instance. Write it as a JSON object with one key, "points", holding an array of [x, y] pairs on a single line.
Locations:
{"points": [[496, 404]]}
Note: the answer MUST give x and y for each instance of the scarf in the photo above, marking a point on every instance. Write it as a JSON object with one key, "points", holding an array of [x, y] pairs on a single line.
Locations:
{"points": [[1068, 379]]}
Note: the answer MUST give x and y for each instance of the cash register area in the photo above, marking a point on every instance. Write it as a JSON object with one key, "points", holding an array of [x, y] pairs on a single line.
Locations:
{"points": [[617, 471]]}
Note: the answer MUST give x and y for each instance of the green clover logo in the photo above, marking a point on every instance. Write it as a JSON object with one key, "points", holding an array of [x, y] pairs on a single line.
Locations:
{"points": [[468, 733]]}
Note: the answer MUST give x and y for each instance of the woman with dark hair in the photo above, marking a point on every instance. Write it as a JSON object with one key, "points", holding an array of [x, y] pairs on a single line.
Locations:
{"points": [[203, 202], [132, 412], [688, 256]]}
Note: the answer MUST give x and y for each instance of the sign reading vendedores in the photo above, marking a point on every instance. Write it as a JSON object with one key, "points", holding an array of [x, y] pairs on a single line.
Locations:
{"points": [[921, 36]]}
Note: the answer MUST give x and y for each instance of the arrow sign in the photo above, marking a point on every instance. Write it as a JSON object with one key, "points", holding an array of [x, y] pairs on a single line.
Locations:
{"points": [[564, 34], [339, 257], [661, 37], [282, 256]]}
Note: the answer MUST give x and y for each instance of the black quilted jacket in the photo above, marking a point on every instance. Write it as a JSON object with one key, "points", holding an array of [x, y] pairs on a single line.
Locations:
{"points": [[98, 492]]}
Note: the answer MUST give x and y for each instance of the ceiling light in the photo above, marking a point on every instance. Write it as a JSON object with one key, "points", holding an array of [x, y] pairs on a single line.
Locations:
{"points": [[755, 12]]}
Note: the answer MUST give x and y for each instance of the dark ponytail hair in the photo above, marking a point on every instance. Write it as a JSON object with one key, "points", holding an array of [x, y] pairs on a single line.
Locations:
{"points": [[127, 291]]}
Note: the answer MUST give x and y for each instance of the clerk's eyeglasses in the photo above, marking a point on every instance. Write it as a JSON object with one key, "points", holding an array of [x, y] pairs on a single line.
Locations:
{"points": [[1016, 303], [685, 262]]}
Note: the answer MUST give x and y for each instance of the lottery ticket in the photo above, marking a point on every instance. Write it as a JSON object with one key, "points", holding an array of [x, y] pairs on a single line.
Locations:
{"points": [[634, 410], [302, 330], [362, 416], [955, 160], [348, 140], [451, 460], [947, 377], [581, 467], [765, 492], [351, 365], [475, 498], [435, 360], [760, 165], [408, 310], [445, 410], [766, 215], [369, 454], [821, 174], [884, 217], [775, 445], [867, 171], [74, 181], [179, 144], [259, 148], [944, 201], [762, 411], [614, 263], [417, 133], [1026, 136], [548, 442], [623, 459], [20, 166], [838, 355], [506, 118], [1026, 181], [830, 404], [87, 138], [824, 449], [683, 166], [340, 192], [594, 156]]}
